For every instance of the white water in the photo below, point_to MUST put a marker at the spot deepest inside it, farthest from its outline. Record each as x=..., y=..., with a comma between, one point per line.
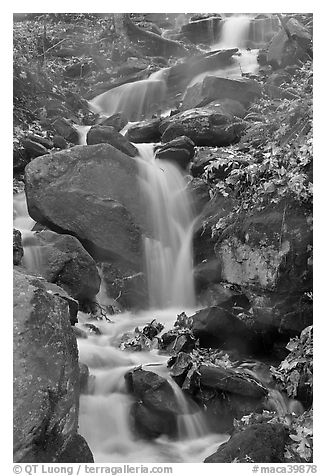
x=33, y=256
x=104, y=415
x=136, y=100
x=169, y=252
x=235, y=31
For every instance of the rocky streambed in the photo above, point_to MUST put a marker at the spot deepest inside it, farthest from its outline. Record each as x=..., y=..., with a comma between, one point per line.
x=229, y=380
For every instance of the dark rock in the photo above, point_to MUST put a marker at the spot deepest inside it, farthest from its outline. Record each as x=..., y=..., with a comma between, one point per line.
x=126, y=285
x=207, y=272
x=46, y=373
x=282, y=51
x=64, y=128
x=118, y=121
x=76, y=451
x=79, y=333
x=91, y=192
x=18, y=251
x=47, y=143
x=93, y=329
x=150, y=424
x=156, y=392
x=64, y=261
x=180, y=151
x=230, y=381
x=217, y=326
x=211, y=126
x=108, y=135
x=132, y=65
x=259, y=443
x=213, y=88
x=202, y=30
x=83, y=377
x=59, y=142
x=145, y=131
x=34, y=149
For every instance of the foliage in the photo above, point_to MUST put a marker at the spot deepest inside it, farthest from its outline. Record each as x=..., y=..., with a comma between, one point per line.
x=142, y=339
x=273, y=161
x=299, y=445
x=297, y=368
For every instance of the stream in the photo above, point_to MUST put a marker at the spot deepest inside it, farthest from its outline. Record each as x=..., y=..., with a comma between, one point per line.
x=104, y=418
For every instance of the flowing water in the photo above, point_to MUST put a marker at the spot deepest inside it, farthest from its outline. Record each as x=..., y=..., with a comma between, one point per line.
x=105, y=410
x=169, y=252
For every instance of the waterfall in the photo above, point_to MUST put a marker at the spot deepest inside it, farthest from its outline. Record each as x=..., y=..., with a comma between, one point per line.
x=104, y=416
x=168, y=252
x=235, y=31
x=136, y=100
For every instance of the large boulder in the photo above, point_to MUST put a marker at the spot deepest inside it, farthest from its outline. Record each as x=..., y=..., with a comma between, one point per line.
x=46, y=374
x=117, y=120
x=212, y=126
x=259, y=443
x=220, y=326
x=156, y=408
x=144, y=131
x=289, y=47
x=156, y=392
x=64, y=261
x=213, y=87
x=91, y=192
x=230, y=381
x=108, y=135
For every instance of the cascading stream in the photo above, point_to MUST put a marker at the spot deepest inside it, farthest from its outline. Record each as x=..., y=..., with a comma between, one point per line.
x=169, y=252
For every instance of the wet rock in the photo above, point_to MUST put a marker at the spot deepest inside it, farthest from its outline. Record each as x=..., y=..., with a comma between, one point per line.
x=64, y=261
x=77, y=451
x=108, y=135
x=46, y=373
x=269, y=251
x=282, y=51
x=149, y=424
x=202, y=30
x=83, y=378
x=154, y=391
x=259, y=443
x=213, y=88
x=230, y=381
x=118, y=121
x=217, y=326
x=18, y=251
x=179, y=75
x=91, y=192
x=93, y=329
x=212, y=126
x=64, y=128
x=207, y=272
x=79, y=333
x=127, y=286
x=34, y=149
x=180, y=151
x=145, y=131
x=198, y=190
x=132, y=65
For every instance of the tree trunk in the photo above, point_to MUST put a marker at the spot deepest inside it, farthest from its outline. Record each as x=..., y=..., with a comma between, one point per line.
x=151, y=42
